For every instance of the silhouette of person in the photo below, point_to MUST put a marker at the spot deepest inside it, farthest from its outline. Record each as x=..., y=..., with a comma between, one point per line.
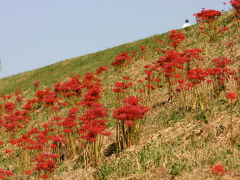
x=186, y=24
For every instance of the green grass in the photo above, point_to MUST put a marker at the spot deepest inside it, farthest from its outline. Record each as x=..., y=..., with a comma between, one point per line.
x=51, y=74
x=179, y=144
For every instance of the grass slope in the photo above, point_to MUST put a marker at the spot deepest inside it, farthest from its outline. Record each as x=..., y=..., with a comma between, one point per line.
x=77, y=65
x=174, y=143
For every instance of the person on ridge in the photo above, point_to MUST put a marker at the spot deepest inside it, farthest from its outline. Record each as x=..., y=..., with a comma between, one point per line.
x=186, y=24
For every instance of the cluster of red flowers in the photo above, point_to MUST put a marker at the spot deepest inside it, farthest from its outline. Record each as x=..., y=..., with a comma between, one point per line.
x=222, y=63
x=93, y=123
x=175, y=38
x=5, y=174
x=218, y=170
x=48, y=97
x=236, y=5
x=122, y=59
x=170, y=62
x=121, y=87
x=70, y=88
x=131, y=111
x=46, y=162
x=101, y=69
x=207, y=15
x=231, y=96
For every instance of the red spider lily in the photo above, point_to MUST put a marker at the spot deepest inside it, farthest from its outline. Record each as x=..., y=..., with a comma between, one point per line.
x=28, y=172
x=36, y=84
x=47, y=97
x=224, y=29
x=207, y=15
x=44, y=176
x=29, y=105
x=1, y=143
x=133, y=53
x=121, y=86
x=159, y=40
x=92, y=96
x=121, y=59
x=5, y=174
x=15, y=120
x=46, y=162
x=126, y=77
x=221, y=63
x=70, y=121
x=101, y=69
x=170, y=62
x=196, y=75
x=131, y=111
x=218, y=169
x=9, y=107
x=93, y=124
x=143, y=48
x=7, y=151
x=176, y=38
x=236, y=5
x=190, y=54
x=231, y=96
x=230, y=44
x=72, y=87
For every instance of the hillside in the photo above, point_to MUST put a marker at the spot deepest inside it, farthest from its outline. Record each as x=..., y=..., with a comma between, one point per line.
x=165, y=107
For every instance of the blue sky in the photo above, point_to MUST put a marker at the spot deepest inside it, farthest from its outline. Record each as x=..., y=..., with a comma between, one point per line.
x=36, y=33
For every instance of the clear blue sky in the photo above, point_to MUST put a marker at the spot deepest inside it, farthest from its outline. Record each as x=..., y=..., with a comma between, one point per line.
x=36, y=33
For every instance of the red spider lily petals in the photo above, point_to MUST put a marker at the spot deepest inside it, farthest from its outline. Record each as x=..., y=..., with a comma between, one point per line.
x=36, y=84
x=131, y=111
x=126, y=77
x=70, y=88
x=46, y=162
x=9, y=106
x=102, y=69
x=176, y=38
x=8, y=151
x=133, y=53
x=221, y=63
x=28, y=172
x=196, y=75
x=235, y=4
x=207, y=15
x=1, y=143
x=143, y=48
x=231, y=96
x=5, y=174
x=224, y=29
x=44, y=176
x=157, y=80
x=121, y=59
x=141, y=90
x=159, y=40
x=180, y=81
x=218, y=169
x=53, y=146
x=209, y=81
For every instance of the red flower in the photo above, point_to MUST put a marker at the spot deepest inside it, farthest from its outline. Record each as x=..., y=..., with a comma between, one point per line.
x=7, y=151
x=121, y=59
x=207, y=15
x=218, y=169
x=231, y=96
x=28, y=172
x=235, y=4
x=176, y=38
x=44, y=176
